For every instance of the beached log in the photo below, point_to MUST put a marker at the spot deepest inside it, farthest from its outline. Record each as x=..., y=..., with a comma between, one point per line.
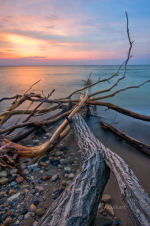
x=133, y=194
x=11, y=152
x=78, y=204
x=130, y=140
x=121, y=110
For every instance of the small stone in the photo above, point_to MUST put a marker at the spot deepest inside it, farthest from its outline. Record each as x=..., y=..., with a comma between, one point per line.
x=9, y=212
x=8, y=221
x=46, y=177
x=3, y=180
x=13, y=183
x=25, y=171
x=32, y=166
x=42, y=164
x=17, y=222
x=109, y=209
x=39, y=188
x=55, y=177
x=67, y=170
x=13, y=171
x=27, y=215
x=35, y=141
x=106, y=198
x=19, y=180
x=2, y=194
x=36, y=202
x=100, y=208
x=25, y=190
x=33, y=208
x=58, y=153
x=36, y=169
x=104, y=213
x=117, y=222
x=5, y=204
x=35, y=223
x=24, y=211
x=15, y=196
x=71, y=176
x=40, y=212
x=3, y=173
x=55, y=162
x=12, y=192
x=64, y=183
x=107, y=223
x=100, y=211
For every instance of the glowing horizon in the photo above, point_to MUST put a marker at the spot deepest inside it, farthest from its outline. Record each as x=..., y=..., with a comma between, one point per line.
x=49, y=32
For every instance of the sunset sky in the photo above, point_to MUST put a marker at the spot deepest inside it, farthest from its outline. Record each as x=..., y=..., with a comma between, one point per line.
x=48, y=32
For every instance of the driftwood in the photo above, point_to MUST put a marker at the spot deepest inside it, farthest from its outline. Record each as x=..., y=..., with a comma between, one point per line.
x=79, y=202
x=130, y=140
x=11, y=152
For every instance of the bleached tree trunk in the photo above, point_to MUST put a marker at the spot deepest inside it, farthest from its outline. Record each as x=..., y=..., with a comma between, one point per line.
x=78, y=204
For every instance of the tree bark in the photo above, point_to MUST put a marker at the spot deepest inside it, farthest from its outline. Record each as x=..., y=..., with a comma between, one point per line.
x=78, y=204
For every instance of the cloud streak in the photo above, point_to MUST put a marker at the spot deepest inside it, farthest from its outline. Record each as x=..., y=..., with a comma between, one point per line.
x=51, y=31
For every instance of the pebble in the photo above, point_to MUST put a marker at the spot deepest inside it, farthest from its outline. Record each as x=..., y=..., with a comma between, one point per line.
x=3, y=173
x=5, y=204
x=36, y=202
x=27, y=215
x=55, y=177
x=33, y=208
x=8, y=221
x=106, y=198
x=13, y=171
x=13, y=183
x=2, y=194
x=3, y=180
x=17, y=222
x=36, y=169
x=24, y=211
x=25, y=171
x=12, y=192
x=35, y=141
x=71, y=176
x=107, y=223
x=15, y=196
x=46, y=177
x=32, y=166
x=35, y=223
x=63, y=161
x=58, y=153
x=9, y=212
x=109, y=209
x=19, y=180
x=40, y=212
x=55, y=162
x=42, y=164
x=64, y=183
x=39, y=188
x=67, y=170
x=117, y=222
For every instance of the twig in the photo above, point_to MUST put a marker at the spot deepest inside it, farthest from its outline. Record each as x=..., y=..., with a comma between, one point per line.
x=36, y=108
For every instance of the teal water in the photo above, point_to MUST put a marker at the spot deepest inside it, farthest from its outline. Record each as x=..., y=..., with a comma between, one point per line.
x=65, y=79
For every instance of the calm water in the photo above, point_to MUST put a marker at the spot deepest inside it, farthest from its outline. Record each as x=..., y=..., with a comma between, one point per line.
x=66, y=79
